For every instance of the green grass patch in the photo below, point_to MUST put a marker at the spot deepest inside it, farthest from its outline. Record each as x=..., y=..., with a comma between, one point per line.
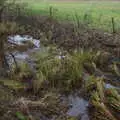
x=94, y=13
x=12, y=84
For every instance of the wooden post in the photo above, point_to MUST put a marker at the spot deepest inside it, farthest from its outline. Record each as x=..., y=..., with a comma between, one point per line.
x=51, y=11
x=113, y=25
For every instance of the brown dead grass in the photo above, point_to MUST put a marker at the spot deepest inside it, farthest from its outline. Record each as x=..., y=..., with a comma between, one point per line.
x=69, y=37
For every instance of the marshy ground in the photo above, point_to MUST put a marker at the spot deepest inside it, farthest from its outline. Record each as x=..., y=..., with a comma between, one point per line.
x=55, y=70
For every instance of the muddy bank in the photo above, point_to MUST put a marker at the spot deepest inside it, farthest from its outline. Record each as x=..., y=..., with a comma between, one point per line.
x=68, y=36
x=50, y=106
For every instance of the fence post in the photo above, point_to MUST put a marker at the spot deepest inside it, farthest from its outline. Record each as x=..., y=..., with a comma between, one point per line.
x=113, y=25
x=51, y=11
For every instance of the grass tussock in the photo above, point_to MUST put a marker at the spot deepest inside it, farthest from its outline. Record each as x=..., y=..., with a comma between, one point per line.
x=61, y=70
x=104, y=103
x=95, y=85
x=113, y=101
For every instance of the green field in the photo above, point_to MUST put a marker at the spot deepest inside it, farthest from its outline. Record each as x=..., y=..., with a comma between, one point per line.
x=94, y=13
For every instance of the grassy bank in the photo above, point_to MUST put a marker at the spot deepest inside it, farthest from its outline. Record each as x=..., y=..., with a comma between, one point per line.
x=93, y=13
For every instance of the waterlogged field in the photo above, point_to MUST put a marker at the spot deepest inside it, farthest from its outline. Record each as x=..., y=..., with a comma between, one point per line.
x=94, y=13
x=52, y=70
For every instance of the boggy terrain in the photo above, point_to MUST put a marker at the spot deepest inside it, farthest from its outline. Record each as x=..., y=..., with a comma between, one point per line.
x=58, y=71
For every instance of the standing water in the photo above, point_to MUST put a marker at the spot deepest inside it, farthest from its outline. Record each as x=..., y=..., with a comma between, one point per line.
x=78, y=107
x=23, y=55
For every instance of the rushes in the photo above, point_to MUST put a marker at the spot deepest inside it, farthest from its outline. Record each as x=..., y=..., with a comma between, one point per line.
x=113, y=101
x=104, y=102
x=95, y=85
x=47, y=66
x=59, y=71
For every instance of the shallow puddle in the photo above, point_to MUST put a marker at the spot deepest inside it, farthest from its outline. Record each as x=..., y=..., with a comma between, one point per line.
x=25, y=56
x=20, y=40
x=78, y=107
x=108, y=85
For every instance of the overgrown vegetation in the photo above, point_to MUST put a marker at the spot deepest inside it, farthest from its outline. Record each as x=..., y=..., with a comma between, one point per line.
x=72, y=59
x=65, y=70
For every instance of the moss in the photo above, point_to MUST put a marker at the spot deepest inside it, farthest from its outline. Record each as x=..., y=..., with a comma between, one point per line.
x=12, y=84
